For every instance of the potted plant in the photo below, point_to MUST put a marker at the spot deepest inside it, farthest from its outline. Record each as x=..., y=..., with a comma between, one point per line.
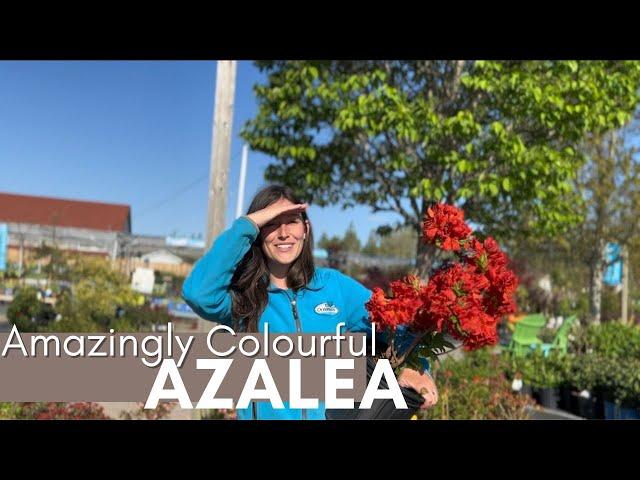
x=583, y=380
x=462, y=302
x=621, y=382
x=547, y=380
x=609, y=354
x=476, y=387
x=544, y=374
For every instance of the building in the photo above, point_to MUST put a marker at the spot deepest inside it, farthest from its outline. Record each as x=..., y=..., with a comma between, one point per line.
x=162, y=256
x=87, y=227
x=71, y=225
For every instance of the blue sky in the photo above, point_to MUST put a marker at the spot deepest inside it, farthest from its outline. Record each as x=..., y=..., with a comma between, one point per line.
x=137, y=133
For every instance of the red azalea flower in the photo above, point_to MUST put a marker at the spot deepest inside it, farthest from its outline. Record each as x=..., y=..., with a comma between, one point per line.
x=499, y=296
x=496, y=256
x=463, y=299
x=391, y=312
x=444, y=226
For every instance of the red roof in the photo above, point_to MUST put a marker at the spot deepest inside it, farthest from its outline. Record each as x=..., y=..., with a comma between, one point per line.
x=64, y=213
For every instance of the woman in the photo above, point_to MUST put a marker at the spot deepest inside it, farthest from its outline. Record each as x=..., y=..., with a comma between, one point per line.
x=261, y=270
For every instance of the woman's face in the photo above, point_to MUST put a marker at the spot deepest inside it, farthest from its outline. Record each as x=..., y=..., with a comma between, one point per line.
x=284, y=236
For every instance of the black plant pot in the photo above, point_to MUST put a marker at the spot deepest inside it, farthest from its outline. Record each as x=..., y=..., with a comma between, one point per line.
x=598, y=405
x=586, y=408
x=565, y=399
x=591, y=408
x=381, y=409
x=535, y=394
x=549, y=397
x=583, y=407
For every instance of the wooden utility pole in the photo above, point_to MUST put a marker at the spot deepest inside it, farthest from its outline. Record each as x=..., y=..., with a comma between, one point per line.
x=220, y=154
x=220, y=148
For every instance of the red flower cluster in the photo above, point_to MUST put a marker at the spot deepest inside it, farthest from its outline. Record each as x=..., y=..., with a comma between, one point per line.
x=401, y=308
x=464, y=299
x=454, y=303
x=490, y=261
x=444, y=226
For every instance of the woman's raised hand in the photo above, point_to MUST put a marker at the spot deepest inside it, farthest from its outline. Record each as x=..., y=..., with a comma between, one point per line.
x=264, y=216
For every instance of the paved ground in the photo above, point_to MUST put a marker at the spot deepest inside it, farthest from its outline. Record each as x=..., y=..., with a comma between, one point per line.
x=541, y=413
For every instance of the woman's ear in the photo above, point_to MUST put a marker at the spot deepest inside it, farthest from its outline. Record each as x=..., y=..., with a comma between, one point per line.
x=306, y=229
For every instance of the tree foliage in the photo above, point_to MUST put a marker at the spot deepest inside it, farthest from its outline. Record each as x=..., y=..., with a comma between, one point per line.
x=498, y=139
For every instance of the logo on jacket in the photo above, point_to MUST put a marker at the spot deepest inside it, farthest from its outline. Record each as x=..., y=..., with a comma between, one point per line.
x=326, y=309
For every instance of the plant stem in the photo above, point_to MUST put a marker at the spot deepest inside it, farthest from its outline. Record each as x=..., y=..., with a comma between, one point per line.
x=409, y=351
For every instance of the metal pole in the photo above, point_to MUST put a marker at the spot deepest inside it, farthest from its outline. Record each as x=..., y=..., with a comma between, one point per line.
x=243, y=174
x=625, y=284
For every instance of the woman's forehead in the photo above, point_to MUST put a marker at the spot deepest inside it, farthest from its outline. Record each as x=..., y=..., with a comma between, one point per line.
x=285, y=217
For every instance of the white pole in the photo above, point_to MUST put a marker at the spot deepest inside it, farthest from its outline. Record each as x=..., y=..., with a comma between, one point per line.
x=243, y=174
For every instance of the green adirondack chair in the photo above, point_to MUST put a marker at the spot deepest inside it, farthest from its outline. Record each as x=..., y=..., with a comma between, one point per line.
x=525, y=336
x=560, y=341
x=535, y=319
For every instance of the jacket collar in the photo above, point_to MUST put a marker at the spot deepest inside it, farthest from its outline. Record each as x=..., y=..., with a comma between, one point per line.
x=316, y=283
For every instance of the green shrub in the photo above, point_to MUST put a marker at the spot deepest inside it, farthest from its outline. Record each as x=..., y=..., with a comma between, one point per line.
x=610, y=339
x=539, y=371
x=141, y=319
x=617, y=378
x=8, y=410
x=476, y=387
x=620, y=380
x=28, y=313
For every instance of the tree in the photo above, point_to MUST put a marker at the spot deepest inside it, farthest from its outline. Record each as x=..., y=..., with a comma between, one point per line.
x=350, y=241
x=609, y=185
x=335, y=250
x=372, y=245
x=56, y=267
x=98, y=291
x=24, y=310
x=497, y=139
x=534, y=258
x=330, y=244
x=609, y=188
x=400, y=243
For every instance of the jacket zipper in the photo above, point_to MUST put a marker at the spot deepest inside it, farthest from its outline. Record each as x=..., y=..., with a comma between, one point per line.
x=294, y=309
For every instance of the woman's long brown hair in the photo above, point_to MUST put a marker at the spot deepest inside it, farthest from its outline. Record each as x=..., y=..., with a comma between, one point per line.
x=251, y=278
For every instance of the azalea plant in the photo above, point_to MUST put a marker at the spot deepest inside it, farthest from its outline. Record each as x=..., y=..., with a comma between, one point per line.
x=463, y=299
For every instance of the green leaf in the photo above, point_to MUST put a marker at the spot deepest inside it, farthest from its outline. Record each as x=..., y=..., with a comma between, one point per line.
x=463, y=166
